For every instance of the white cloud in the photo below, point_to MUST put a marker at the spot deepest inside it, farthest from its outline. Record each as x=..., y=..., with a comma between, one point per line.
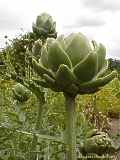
x=102, y=5
x=83, y=20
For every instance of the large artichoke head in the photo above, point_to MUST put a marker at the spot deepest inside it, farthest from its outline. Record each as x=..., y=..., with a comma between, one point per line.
x=72, y=65
x=45, y=26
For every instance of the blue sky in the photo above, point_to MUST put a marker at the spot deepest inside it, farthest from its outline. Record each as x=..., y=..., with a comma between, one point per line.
x=98, y=20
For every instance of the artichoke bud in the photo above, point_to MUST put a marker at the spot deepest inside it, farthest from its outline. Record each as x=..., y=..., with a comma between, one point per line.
x=69, y=64
x=99, y=144
x=45, y=26
x=21, y=93
x=36, y=50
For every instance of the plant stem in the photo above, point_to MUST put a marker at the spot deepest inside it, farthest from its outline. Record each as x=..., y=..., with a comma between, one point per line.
x=70, y=134
x=38, y=128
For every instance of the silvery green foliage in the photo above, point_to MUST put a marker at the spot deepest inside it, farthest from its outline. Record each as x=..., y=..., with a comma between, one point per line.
x=44, y=26
x=73, y=66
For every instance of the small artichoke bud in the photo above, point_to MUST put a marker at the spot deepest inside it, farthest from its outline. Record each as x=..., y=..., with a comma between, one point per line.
x=99, y=143
x=21, y=93
x=36, y=50
x=44, y=26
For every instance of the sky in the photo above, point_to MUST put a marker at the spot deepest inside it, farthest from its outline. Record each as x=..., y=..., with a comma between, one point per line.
x=97, y=19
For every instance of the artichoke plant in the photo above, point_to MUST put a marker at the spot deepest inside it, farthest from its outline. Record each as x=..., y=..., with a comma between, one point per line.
x=73, y=66
x=44, y=26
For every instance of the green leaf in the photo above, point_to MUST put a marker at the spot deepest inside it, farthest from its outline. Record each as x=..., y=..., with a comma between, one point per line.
x=40, y=82
x=48, y=79
x=38, y=68
x=99, y=82
x=86, y=69
x=78, y=47
x=44, y=57
x=61, y=41
x=50, y=82
x=101, y=52
x=57, y=56
x=64, y=76
x=103, y=70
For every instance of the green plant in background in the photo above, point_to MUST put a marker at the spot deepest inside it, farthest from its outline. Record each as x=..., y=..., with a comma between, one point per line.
x=72, y=66
x=16, y=55
x=30, y=45
x=116, y=88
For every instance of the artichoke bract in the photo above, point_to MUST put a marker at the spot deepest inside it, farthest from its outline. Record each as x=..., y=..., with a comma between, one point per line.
x=44, y=26
x=72, y=65
x=21, y=93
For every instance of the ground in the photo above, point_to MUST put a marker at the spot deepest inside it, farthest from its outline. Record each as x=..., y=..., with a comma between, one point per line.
x=115, y=130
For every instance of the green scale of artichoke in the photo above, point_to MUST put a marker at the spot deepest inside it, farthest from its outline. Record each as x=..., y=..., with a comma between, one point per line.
x=72, y=65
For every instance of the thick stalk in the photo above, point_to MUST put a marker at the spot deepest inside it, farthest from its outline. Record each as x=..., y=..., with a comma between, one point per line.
x=38, y=125
x=38, y=128
x=70, y=134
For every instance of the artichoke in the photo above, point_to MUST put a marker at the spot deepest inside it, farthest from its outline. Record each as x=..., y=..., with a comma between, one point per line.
x=21, y=93
x=44, y=26
x=72, y=65
x=99, y=143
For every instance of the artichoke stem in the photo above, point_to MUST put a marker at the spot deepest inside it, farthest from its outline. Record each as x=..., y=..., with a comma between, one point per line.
x=38, y=128
x=70, y=134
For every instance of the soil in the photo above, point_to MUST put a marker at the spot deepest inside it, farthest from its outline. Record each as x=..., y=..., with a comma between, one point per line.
x=115, y=130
